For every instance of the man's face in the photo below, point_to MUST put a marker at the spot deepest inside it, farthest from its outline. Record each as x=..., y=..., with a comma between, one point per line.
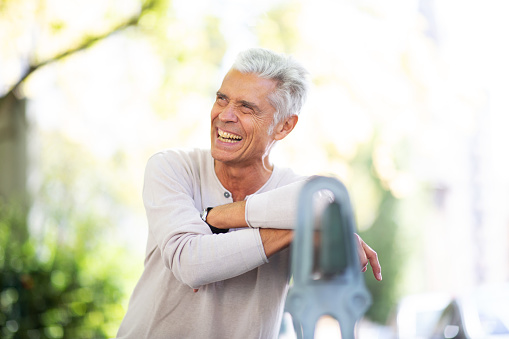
x=240, y=119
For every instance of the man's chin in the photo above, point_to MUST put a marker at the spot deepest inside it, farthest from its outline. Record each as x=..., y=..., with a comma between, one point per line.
x=222, y=155
x=227, y=151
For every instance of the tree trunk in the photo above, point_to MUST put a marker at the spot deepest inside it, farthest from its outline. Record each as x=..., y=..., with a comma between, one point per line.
x=13, y=151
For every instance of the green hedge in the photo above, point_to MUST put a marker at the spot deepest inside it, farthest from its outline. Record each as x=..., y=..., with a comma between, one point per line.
x=54, y=290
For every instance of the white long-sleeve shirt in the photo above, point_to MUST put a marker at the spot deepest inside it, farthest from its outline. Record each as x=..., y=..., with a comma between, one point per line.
x=241, y=293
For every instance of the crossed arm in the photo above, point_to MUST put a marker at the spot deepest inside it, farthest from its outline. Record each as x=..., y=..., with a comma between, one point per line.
x=274, y=240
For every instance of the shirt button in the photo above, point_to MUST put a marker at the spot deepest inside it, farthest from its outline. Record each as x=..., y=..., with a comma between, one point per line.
x=226, y=194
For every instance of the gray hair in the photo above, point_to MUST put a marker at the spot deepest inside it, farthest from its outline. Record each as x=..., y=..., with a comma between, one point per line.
x=291, y=79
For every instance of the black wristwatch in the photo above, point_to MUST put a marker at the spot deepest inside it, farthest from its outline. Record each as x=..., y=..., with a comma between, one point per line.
x=214, y=230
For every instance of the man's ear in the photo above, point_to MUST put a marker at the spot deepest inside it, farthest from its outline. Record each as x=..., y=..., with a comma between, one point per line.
x=284, y=128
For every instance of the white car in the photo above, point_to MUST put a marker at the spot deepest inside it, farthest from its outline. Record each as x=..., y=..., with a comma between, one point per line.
x=483, y=314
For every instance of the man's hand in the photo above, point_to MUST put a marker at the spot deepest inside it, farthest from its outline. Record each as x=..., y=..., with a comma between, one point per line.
x=368, y=256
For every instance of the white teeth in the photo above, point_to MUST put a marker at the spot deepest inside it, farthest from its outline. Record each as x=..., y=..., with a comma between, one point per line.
x=228, y=137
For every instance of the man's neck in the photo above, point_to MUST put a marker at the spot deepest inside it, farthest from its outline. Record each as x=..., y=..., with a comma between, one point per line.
x=243, y=180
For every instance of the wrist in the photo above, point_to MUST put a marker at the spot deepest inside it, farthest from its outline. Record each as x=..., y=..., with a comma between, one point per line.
x=231, y=215
x=204, y=215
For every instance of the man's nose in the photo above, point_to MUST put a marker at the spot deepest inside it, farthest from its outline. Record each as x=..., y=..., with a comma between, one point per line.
x=228, y=114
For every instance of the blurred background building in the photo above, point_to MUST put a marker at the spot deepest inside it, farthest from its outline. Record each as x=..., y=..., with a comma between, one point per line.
x=408, y=108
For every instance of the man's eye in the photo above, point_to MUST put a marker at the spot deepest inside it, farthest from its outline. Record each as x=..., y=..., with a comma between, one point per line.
x=247, y=109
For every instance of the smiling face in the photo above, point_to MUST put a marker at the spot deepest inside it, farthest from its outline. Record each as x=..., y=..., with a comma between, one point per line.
x=240, y=119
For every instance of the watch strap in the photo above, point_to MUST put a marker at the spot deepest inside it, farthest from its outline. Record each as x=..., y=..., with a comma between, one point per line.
x=214, y=230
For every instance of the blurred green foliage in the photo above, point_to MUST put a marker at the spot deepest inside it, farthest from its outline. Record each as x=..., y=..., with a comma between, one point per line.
x=383, y=236
x=68, y=278
x=383, y=233
x=50, y=289
x=277, y=28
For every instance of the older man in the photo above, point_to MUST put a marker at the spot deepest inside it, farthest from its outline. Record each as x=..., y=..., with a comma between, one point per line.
x=216, y=216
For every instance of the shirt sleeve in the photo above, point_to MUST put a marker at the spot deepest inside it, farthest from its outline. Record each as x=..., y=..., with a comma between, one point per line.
x=189, y=249
x=278, y=208
x=274, y=209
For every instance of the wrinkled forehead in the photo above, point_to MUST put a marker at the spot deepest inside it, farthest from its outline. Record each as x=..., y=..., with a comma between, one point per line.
x=247, y=86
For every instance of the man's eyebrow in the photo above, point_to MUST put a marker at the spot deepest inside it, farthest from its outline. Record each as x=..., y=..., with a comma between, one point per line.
x=219, y=94
x=241, y=102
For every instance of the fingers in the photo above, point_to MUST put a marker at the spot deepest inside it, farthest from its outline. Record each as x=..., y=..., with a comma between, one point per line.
x=362, y=253
x=373, y=261
x=364, y=268
x=368, y=256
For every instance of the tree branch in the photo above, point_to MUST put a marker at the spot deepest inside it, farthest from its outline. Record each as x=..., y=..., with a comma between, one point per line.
x=86, y=43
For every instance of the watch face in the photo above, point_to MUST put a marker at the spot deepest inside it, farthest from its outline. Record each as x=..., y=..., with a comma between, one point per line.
x=203, y=214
